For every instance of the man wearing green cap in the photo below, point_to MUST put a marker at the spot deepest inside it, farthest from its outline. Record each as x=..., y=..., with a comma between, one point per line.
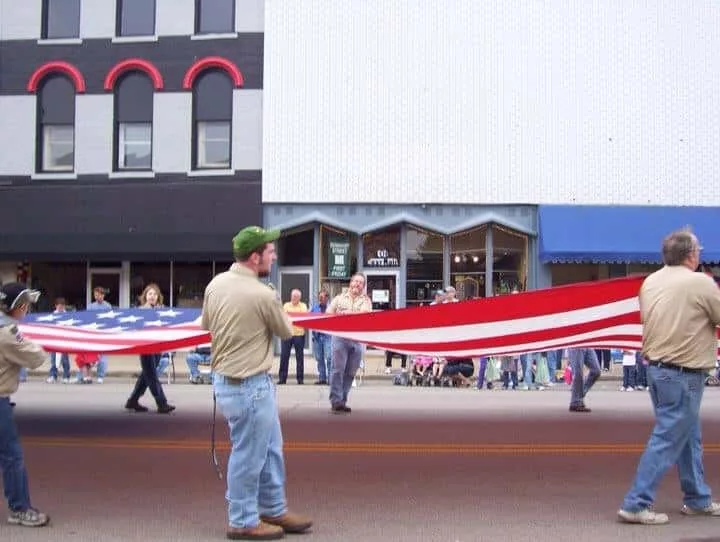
x=242, y=314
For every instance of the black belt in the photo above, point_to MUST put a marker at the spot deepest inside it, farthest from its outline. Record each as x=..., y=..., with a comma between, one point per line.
x=679, y=368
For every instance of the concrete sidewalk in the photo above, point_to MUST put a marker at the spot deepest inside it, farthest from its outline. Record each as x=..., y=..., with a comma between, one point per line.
x=129, y=366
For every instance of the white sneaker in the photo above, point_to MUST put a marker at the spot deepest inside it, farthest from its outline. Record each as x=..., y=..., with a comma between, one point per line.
x=66, y=381
x=388, y=370
x=29, y=518
x=100, y=380
x=712, y=510
x=51, y=380
x=643, y=517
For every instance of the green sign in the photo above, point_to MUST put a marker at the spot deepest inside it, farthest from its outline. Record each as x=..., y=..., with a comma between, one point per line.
x=338, y=258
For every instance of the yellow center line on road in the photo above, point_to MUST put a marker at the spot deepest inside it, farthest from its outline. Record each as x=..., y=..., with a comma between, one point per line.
x=377, y=448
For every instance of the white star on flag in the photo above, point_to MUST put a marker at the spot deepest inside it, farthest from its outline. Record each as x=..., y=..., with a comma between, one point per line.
x=48, y=318
x=68, y=322
x=129, y=319
x=171, y=313
x=157, y=323
x=111, y=314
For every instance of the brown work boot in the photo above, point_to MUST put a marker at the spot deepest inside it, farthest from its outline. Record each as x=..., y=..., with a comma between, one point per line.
x=262, y=531
x=290, y=523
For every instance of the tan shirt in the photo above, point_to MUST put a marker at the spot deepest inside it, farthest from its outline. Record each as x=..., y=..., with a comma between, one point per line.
x=300, y=307
x=242, y=315
x=16, y=352
x=345, y=303
x=680, y=310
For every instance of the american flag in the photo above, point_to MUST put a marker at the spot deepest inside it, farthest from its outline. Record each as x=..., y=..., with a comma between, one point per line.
x=603, y=314
x=116, y=331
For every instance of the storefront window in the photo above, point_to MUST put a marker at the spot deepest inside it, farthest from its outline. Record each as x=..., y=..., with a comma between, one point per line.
x=382, y=248
x=296, y=249
x=59, y=279
x=189, y=282
x=467, y=262
x=510, y=255
x=338, y=259
x=424, y=265
x=142, y=274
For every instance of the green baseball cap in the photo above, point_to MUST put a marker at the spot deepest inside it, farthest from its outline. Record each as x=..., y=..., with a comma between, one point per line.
x=249, y=239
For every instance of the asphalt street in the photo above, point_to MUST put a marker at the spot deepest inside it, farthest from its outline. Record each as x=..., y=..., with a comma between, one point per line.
x=409, y=464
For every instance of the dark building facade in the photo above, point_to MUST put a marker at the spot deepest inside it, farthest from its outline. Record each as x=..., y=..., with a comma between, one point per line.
x=131, y=142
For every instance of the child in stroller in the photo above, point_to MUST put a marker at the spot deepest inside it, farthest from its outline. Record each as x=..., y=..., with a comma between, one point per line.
x=422, y=367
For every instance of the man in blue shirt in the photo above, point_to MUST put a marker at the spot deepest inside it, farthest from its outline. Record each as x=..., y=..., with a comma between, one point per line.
x=321, y=343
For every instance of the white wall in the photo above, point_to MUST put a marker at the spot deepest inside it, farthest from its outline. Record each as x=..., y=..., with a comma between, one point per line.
x=17, y=135
x=469, y=101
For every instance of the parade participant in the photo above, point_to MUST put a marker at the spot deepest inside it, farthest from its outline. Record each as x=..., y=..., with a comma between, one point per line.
x=151, y=298
x=242, y=315
x=346, y=354
x=577, y=359
x=16, y=353
x=680, y=312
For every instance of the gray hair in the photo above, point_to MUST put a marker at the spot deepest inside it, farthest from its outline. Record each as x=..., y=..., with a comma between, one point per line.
x=679, y=246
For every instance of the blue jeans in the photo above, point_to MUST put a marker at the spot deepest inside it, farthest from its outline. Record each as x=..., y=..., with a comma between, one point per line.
x=580, y=357
x=15, y=479
x=676, y=439
x=64, y=361
x=256, y=467
x=346, y=359
x=552, y=361
x=322, y=354
x=628, y=376
x=194, y=360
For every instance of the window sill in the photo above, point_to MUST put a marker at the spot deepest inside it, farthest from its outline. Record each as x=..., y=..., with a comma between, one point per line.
x=140, y=174
x=218, y=36
x=60, y=41
x=211, y=173
x=53, y=176
x=134, y=39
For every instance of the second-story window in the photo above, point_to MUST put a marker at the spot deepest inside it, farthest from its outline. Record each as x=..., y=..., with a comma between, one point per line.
x=135, y=18
x=61, y=19
x=133, y=122
x=212, y=119
x=56, y=125
x=214, y=16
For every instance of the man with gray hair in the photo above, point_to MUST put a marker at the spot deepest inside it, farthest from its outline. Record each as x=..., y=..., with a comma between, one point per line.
x=680, y=311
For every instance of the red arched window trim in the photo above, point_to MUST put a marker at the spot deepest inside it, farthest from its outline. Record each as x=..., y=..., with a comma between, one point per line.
x=212, y=62
x=134, y=64
x=61, y=67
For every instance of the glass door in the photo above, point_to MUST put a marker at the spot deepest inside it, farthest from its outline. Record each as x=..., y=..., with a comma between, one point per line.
x=382, y=289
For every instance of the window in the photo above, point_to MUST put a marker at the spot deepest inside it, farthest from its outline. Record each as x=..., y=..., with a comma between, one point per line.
x=510, y=256
x=214, y=145
x=133, y=122
x=212, y=115
x=214, y=16
x=424, y=253
x=467, y=262
x=61, y=19
x=56, y=125
x=135, y=18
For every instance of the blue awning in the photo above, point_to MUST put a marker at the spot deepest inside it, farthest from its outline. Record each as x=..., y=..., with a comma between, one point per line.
x=621, y=234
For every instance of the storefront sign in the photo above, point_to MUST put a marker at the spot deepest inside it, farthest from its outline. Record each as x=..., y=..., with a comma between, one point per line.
x=338, y=258
x=383, y=258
